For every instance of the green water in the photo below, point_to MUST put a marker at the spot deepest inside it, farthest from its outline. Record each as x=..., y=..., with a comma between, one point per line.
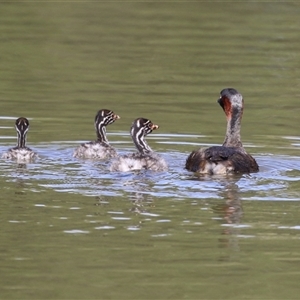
x=70, y=229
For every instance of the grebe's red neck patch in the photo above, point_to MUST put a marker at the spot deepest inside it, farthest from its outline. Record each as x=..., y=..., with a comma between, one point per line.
x=226, y=105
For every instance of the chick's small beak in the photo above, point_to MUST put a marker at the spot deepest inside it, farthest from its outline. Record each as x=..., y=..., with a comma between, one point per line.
x=154, y=127
x=116, y=117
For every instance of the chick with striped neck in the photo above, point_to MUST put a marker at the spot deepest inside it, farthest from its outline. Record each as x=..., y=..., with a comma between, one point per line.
x=145, y=158
x=21, y=153
x=99, y=149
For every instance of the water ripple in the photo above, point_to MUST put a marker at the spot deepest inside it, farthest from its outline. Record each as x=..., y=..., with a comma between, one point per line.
x=58, y=170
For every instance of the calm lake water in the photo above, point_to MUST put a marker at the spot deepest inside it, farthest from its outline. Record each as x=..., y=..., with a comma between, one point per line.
x=70, y=229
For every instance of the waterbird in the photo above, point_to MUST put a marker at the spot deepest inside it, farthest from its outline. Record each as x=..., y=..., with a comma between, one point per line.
x=231, y=157
x=99, y=149
x=145, y=158
x=21, y=153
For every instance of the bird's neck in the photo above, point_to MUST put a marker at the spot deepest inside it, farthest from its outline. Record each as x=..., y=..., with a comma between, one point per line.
x=21, y=139
x=233, y=136
x=140, y=142
x=101, y=133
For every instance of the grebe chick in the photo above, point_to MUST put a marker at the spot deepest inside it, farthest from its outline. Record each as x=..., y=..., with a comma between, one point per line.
x=99, y=149
x=21, y=153
x=231, y=157
x=145, y=158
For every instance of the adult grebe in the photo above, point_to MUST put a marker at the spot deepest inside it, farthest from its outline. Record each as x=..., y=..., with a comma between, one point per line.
x=99, y=149
x=231, y=157
x=21, y=153
x=145, y=158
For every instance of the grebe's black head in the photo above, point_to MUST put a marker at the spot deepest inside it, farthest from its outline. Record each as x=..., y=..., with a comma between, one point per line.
x=22, y=125
x=231, y=100
x=143, y=125
x=103, y=118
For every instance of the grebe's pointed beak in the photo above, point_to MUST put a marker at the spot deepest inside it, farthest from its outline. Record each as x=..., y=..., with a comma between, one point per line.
x=221, y=102
x=154, y=127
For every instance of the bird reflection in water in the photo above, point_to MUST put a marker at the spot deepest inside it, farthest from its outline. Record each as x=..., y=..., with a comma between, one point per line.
x=141, y=202
x=230, y=212
x=231, y=209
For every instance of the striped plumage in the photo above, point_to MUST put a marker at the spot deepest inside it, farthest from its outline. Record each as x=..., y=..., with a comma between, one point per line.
x=99, y=149
x=21, y=152
x=145, y=158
